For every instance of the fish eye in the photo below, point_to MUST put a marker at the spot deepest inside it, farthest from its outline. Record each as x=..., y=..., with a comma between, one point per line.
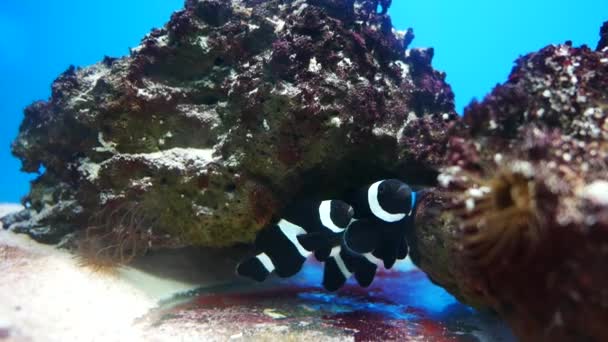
x=381, y=188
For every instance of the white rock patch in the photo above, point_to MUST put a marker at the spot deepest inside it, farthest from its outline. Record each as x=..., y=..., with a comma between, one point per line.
x=88, y=169
x=178, y=158
x=314, y=66
x=597, y=192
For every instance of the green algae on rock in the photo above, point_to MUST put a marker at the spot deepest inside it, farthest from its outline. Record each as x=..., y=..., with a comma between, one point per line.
x=228, y=112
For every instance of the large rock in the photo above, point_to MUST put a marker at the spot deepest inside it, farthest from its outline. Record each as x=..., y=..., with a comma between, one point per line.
x=521, y=222
x=230, y=111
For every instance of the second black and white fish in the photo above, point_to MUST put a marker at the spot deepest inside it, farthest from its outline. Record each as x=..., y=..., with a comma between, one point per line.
x=278, y=247
x=383, y=206
x=384, y=212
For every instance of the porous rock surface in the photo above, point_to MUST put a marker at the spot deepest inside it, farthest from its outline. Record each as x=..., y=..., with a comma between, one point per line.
x=520, y=223
x=227, y=113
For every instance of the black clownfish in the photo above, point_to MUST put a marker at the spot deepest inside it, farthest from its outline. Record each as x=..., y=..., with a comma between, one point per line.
x=383, y=214
x=389, y=204
x=278, y=247
x=389, y=200
x=349, y=240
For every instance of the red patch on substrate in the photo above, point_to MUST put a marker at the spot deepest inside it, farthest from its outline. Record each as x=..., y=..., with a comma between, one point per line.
x=232, y=299
x=436, y=332
x=371, y=326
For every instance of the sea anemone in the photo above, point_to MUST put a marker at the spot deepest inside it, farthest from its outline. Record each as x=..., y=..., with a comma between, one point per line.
x=498, y=214
x=117, y=234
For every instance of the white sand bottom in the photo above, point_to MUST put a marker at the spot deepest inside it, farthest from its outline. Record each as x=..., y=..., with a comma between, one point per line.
x=46, y=295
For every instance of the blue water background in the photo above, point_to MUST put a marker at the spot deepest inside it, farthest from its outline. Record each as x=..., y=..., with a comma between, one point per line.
x=475, y=41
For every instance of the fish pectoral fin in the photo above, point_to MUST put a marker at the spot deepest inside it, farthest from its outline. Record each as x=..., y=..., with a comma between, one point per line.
x=365, y=273
x=403, y=249
x=364, y=269
x=333, y=277
x=391, y=246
